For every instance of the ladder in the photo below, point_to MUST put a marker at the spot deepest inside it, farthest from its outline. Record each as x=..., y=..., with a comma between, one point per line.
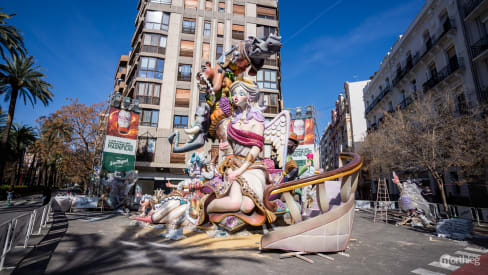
x=382, y=202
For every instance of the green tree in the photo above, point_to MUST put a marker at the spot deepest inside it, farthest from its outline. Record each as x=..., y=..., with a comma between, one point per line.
x=10, y=38
x=21, y=137
x=21, y=77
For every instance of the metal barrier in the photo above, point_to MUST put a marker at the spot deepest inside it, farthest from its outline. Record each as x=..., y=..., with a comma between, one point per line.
x=19, y=230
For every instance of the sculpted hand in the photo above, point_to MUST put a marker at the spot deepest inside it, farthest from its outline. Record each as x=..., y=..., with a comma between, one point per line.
x=231, y=177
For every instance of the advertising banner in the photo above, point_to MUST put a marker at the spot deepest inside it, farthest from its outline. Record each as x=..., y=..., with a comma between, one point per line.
x=118, y=162
x=121, y=141
x=122, y=123
x=304, y=130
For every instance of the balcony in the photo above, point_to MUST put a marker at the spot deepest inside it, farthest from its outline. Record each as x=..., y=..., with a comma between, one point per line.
x=470, y=6
x=448, y=25
x=188, y=30
x=184, y=76
x=406, y=101
x=382, y=94
x=479, y=47
x=153, y=49
x=454, y=64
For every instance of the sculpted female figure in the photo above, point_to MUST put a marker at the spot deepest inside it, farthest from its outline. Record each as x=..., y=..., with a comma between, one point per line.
x=245, y=176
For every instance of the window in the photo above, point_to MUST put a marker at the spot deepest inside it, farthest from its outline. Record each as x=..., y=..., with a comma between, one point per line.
x=186, y=48
x=162, y=1
x=267, y=79
x=222, y=7
x=191, y=4
x=151, y=68
x=238, y=32
x=461, y=104
x=451, y=54
x=266, y=12
x=182, y=98
x=264, y=31
x=149, y=118
x=238, y=9
x=184, y=72
x=409, y=60
x=432, y=70
x=427, y=40
x=206, y=51
x=180, y=121
x=414, y=85
x=220, y=29
x=148, y=93
x=188, y=25
x=208, y=5
x=157, y=20
x=220, y=50
x=146, y=147
x=207, y=26
x=154, y=43
x=270, y=101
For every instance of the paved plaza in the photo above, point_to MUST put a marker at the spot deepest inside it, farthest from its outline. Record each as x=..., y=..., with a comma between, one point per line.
x=109, y=243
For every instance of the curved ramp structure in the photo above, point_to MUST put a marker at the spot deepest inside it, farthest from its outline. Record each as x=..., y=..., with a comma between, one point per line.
x=330, y=230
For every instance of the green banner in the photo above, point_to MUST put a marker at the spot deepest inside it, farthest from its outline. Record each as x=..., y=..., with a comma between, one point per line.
x=118, y=162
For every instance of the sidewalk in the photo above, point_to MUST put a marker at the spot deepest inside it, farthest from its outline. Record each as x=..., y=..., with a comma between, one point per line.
x=107, y=243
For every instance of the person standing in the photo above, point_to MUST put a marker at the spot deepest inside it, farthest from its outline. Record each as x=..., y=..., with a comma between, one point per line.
x=10, y=195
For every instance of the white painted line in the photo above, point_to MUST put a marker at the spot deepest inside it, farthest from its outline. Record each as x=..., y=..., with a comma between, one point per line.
x=467, y=254
x=422, y=271
x=445, y=266
x=482, y=251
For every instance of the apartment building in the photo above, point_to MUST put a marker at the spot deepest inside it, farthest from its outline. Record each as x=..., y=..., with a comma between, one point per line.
x=474, y=14
x=431, y=57
x=347, y=127
x=443, y=53
x=172, y=40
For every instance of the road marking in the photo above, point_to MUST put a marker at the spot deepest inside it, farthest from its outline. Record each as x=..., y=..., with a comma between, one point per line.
x=444, y=266
x=422, y=271
x=482, y=251
x=467, y=254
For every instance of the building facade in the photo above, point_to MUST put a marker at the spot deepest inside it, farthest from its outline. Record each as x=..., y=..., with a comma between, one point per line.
x=347, y=127
x=443, y=54
x=172, y=40
x=431, y=57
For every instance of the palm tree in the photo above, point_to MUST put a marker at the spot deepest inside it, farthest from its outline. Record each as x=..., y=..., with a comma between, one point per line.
x=22, y=136
x=20, y=77
x=10, y=38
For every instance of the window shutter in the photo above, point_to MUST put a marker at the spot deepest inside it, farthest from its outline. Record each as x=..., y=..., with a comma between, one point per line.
x=182, y=98
x=238, y=9
x=220, y=29
x=206, y=51
x=238, y=28
x=191, y=4
x=186, y=48
x=265, y=11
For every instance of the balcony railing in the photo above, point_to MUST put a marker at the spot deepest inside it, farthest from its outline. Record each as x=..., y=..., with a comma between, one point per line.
x=153, y=49
x=479, y=46
x=470, y=6
x=382, y=94
x=188, y=30
x=454, y=64
x=448, y=25
x=184, y=77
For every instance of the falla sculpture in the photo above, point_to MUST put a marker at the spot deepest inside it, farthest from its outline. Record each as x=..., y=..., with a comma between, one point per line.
x=247, y=184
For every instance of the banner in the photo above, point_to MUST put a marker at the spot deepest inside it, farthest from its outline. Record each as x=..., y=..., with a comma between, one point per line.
x=121, y=141
x=300, y=154
x=118, y=162
x=122, y=123
x=304, y=130
x=118, y=145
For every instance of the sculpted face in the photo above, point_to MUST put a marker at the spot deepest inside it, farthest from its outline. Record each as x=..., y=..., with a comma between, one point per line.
x=239, y=95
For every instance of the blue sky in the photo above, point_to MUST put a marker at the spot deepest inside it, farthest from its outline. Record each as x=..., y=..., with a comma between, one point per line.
x=324, y=44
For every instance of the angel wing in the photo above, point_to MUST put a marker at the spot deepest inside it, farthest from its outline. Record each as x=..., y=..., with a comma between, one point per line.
x=276, y=133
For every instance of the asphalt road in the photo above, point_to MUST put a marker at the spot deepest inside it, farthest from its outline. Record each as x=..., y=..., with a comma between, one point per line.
x=106, y=243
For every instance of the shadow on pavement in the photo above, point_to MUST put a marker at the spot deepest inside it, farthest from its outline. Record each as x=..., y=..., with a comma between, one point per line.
x=135, y=250
x=37, y=260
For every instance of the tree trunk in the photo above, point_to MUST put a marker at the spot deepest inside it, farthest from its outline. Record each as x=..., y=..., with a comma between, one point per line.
x=440, y=183
x=10, y=119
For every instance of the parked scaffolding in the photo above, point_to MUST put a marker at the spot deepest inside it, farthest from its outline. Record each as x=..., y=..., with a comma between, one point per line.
x=17, y=231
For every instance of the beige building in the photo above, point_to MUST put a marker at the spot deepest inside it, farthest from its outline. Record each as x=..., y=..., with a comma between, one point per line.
x=172, y=40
